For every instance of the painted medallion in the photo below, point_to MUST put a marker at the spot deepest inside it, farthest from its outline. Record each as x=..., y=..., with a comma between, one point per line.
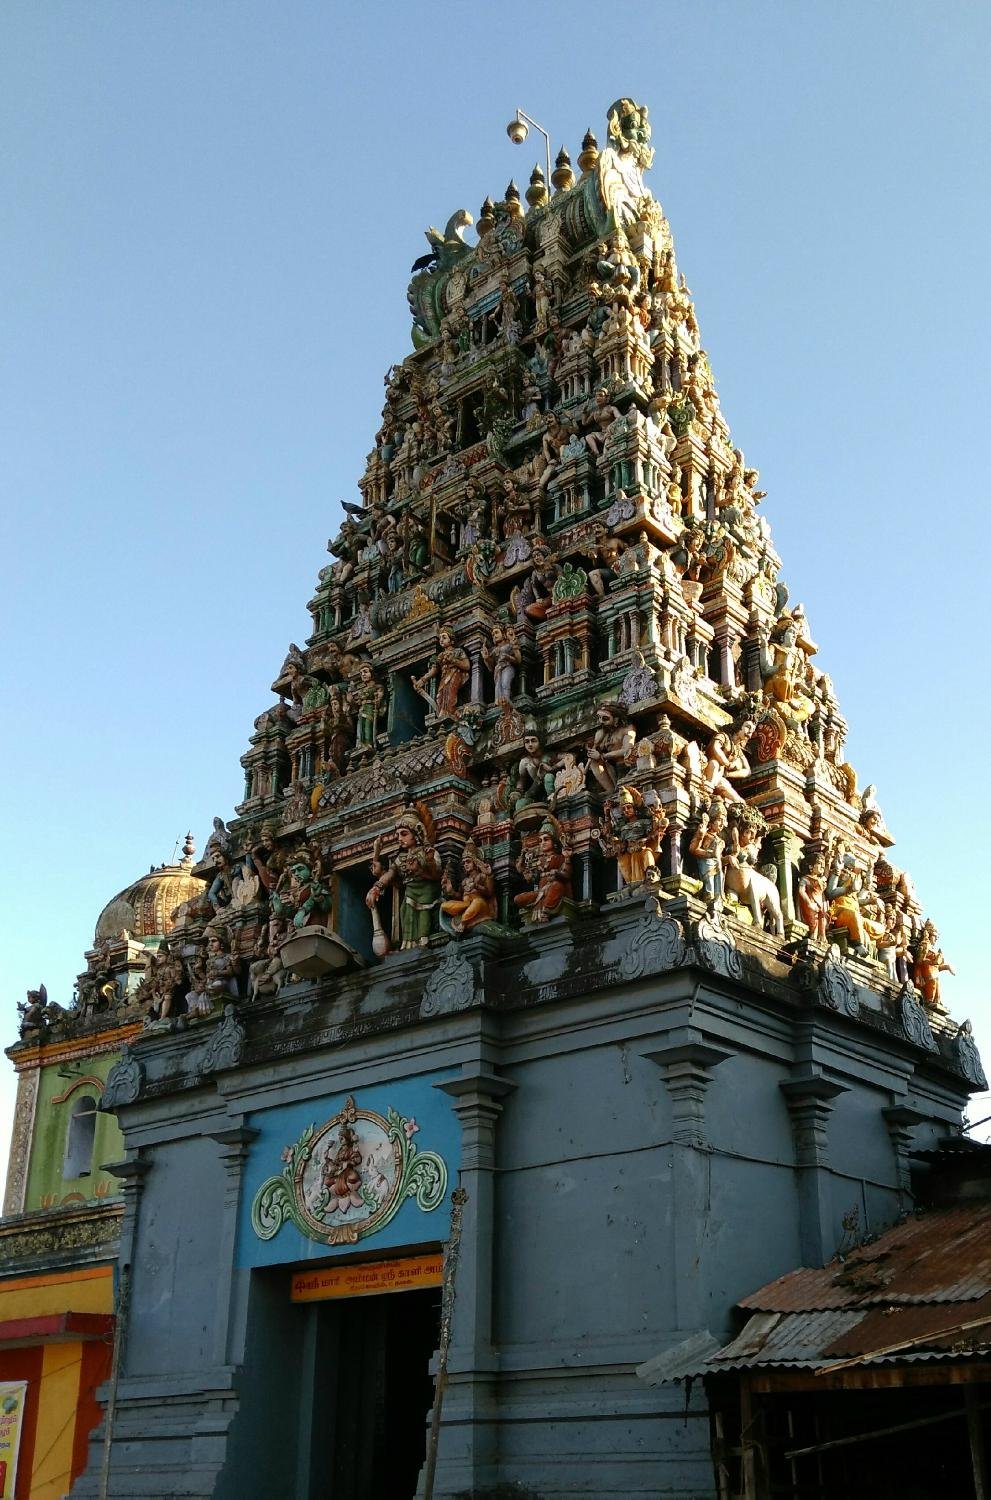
x=348, y=1178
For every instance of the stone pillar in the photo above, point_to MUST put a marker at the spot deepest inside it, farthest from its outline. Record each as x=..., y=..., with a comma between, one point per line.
x=786, y=847
x=472, y=641
x=810, y=1101
x=467, y=1450
x=692, y=458
x=899, y=1119
x=723, y=607
x=675, y=830
x=750, y=658
x=686, y=1062
x=131, y=1174
x=234, y=1145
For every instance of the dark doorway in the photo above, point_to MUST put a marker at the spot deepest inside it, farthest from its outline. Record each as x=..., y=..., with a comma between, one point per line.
x=373, y=1392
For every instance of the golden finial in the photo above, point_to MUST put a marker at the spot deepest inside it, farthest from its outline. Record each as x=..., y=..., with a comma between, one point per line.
x=486, y=218
x=536, y=193
x=562, y=176
x=514, y=207
x=589, y=154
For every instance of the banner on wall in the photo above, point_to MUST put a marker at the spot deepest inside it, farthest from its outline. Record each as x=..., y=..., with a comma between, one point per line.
x=369, y=1279
x=12, y=1397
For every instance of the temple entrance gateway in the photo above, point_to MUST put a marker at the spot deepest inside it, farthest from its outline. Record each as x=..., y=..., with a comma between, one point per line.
x=372, y=1394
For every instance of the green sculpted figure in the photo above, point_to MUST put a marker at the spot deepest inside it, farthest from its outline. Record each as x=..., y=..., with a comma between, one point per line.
x=308, y=900
x=415, y=872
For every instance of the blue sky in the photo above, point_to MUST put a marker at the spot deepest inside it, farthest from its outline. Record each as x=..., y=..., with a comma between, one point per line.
x=210, y=210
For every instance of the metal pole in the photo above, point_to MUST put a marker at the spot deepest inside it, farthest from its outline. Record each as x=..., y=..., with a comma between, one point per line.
x=458, y=1200
x=521, y=114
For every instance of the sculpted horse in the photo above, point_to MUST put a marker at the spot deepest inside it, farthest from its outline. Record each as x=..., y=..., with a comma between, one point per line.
x=755, y=891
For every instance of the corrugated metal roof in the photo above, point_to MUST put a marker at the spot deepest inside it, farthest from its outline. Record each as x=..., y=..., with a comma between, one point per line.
x=934, y=1325
x=783, y=1339
x=959, y=1145
x=690, y=1357
x=943, y=1256
x=920, y=1292
x=817, y=1340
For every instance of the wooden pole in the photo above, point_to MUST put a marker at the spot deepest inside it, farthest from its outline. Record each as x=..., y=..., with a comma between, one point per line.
x=747, y=1447
x=458, y=1200
x=863, y=1437
x=975, y=1431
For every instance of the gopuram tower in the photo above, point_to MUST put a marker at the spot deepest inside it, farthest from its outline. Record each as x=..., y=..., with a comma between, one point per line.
x=555, y=983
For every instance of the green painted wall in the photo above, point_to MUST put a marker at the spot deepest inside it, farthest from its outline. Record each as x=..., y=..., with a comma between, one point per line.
x=47, y=1186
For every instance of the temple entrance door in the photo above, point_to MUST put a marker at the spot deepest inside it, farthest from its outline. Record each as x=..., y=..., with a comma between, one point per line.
x=372, y=1395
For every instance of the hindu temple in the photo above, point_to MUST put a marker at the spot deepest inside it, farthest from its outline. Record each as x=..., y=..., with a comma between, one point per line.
x=555, y=982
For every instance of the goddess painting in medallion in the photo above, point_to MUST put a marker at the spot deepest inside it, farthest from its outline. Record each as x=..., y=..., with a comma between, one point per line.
x=349, y=1178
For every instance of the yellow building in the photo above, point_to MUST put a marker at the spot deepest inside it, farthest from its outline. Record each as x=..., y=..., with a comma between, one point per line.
x=62, y=1206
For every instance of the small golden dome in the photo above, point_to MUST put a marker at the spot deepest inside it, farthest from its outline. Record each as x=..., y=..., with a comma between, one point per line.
x=146, y=908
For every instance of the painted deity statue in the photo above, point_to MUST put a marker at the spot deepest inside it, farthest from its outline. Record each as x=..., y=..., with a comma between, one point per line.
x=266, y=974
x=542, y=299
x=599, y=417
x=555, y=440
x=471, y=900
x=784, y=664
x=892, y=945
x=726, y=761
x=605, y=551
x=929, y=964
x=533, y=780
x=503, y=657
x=628, y=154
x=631, y=833
x=812, y=904
x=846, y=893
x=707, y=846
x=534, y=597
x=741, y=878
x=450, y=670
x=162, y=987
x=340, y=1175
x=367, y=699
x=617, y=270
x=548, y=868
x=613, y=745
x=519, y=515
x=415, y=873
x=214, y=980
x=338, y=728
x=308, y=900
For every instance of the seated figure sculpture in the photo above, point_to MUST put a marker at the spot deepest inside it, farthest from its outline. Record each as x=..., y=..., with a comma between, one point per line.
x=548, y=868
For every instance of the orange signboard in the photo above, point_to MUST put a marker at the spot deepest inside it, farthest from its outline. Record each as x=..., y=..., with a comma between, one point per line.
x=408, y=1274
